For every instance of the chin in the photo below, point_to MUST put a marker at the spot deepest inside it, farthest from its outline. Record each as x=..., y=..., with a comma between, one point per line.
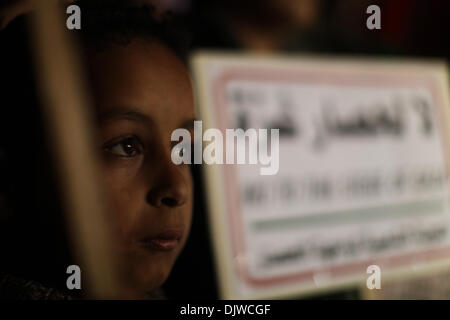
x=152, y=273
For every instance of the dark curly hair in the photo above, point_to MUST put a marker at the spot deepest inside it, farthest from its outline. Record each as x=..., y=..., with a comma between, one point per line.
x=119, y=22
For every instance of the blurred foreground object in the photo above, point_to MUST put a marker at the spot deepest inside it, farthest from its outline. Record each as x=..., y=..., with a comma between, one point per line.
x=12, y=9
x=64, y=98
x=363, y=172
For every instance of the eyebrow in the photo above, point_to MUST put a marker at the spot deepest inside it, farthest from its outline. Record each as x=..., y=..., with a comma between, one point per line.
x=188, y=124
x=129, y=113
x=124, y=113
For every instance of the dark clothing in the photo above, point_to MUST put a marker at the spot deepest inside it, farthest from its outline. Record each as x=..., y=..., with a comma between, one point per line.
x=13, y=288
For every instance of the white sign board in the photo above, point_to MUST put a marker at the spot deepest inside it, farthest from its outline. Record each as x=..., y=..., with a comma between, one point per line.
x=362, y=180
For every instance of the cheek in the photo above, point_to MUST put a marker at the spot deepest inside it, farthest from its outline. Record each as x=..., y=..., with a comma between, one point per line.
x=123, y=194
x=188, y=213
x=121, y=170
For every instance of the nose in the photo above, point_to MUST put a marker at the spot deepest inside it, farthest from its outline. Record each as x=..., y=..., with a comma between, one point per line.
x=171, y=189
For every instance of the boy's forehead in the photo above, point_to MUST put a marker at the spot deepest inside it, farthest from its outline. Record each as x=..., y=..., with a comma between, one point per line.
x=141, y=78
x=139, y=116
x=139, y=56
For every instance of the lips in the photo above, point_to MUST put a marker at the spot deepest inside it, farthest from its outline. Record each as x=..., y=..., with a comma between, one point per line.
x=165, y=241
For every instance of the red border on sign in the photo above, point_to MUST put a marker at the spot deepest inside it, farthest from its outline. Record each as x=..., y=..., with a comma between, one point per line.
x=310, y=77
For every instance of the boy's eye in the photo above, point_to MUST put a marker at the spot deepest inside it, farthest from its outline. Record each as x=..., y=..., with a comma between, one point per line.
x=128, y=147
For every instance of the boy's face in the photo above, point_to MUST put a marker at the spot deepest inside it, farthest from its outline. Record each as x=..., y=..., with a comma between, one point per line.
x=142, y=92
